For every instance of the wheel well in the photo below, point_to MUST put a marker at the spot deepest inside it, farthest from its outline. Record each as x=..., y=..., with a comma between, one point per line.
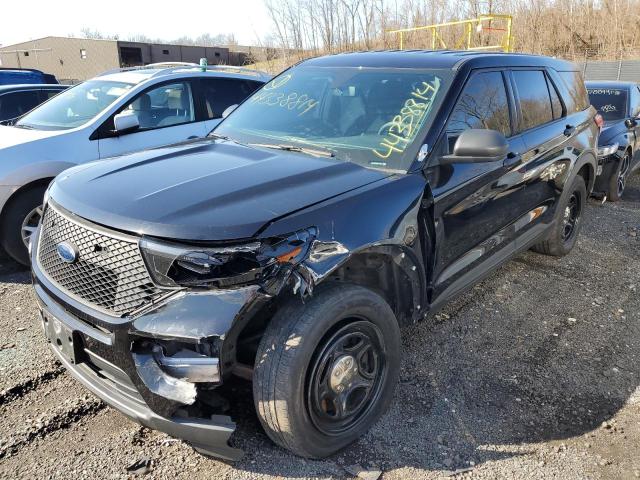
x=42, y=182
x=586, y=172
x=380, y=273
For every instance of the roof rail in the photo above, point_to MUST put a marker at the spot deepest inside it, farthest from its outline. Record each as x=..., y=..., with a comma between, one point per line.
x=168, y=67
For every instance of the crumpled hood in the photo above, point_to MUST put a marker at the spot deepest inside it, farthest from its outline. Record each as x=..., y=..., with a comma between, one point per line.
x=203, y=190
x=12, y=136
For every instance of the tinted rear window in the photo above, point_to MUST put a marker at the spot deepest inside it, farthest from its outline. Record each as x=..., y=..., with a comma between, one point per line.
x=578, y=99
x=535, y=102
x=611, y=103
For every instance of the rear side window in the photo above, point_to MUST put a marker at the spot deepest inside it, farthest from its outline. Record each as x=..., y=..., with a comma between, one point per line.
x=578, y=99
x=220, y=93
x=535, y=102
x=482, y=104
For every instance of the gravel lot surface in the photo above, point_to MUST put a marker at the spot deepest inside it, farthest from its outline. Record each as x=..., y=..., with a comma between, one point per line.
x=533, y=374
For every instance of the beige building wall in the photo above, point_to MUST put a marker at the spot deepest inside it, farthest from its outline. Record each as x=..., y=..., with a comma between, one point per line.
x=69, y=59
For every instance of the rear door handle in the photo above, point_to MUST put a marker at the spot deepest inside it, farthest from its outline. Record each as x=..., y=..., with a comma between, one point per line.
x=512, y=159
x=192, y=137
x=569, y=130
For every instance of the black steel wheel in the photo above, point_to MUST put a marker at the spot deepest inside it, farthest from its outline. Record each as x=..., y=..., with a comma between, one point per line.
x=571, y=218
x=346, y=376
x=326, y=369
x=567, y=221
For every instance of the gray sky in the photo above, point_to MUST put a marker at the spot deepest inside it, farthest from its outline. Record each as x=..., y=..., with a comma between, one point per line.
x=167, y=19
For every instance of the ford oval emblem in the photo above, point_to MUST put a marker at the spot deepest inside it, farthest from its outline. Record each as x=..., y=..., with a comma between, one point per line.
x=67, y=252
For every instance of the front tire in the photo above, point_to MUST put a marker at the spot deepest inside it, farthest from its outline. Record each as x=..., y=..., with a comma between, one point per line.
x=617, y=182
x=567, y=221
x=23, y=213
x=326, y=370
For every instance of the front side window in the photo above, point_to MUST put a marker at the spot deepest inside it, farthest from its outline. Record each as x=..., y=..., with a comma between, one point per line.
x=482, y=104
x=535, y=102
x=611, y=103
x=164, y=106
x=369, y=116
x=220, y=93
x=75, y=106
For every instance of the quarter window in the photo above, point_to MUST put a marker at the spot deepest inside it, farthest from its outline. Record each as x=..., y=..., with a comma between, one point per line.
x=556, y=104
x=482, y=104
x=164, y=106
x=578, y=99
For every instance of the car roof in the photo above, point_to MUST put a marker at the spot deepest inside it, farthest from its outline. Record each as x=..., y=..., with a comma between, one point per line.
x=438, y=59
x=32, y=86
x=138, y=75
x=610, y=83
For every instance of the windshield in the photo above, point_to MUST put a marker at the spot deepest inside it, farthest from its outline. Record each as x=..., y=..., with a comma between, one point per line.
x=370, y=116
x=74, y=107
x=611, y=103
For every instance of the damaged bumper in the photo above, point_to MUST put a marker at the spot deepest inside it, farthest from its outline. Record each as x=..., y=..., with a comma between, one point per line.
x=155, y=390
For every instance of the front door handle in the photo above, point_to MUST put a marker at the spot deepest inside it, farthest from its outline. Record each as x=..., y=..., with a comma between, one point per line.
x=192, y=137
x=569, y=130
x=512, y=159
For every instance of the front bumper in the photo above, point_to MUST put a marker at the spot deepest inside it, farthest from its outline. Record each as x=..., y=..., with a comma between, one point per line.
x=116, y=387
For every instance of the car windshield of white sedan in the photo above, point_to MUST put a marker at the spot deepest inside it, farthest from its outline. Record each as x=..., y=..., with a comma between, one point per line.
x=611, y=103
x=74, y=107
x=369, y=116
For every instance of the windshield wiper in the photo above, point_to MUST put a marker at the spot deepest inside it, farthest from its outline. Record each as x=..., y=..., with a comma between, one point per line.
x=317, y=152
x=225, y=138
x=23, y=125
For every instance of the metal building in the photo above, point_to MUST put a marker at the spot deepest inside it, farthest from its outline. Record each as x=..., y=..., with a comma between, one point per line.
x=75, y=59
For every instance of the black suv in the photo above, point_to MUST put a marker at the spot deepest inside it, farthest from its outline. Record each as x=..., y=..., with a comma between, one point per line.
x=350, y=195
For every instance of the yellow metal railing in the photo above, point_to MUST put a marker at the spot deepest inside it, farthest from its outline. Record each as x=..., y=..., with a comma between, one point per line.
x=465, y=41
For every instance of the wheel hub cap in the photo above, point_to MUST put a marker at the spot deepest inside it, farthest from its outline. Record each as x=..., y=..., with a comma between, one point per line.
x=342, y=373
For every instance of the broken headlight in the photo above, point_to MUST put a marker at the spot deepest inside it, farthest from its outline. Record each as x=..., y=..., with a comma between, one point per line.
x=175, y=265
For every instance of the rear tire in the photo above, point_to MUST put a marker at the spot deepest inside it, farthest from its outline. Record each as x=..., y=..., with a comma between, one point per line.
x=567, y=221
x=617, y=182
x=326, y=370
x=21, y=217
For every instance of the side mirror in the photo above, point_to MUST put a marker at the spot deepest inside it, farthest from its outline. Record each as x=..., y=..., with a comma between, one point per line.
x=476, y=146
x=125, y=122
x=631, y=123
x=228, y=110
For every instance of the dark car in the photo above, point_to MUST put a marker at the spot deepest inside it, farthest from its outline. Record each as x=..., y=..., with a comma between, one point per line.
x=619, y=142
x=14, y=76
x=16, y=100
x=350, y=195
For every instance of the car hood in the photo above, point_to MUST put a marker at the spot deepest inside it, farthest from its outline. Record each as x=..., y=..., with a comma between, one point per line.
x=610, y=131
x=12, y=136
x=203, y=190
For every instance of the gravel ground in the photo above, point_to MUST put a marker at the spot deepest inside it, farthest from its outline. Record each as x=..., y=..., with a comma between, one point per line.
x=532, y=374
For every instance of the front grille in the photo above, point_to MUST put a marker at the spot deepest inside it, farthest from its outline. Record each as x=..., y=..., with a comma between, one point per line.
x=109, y=273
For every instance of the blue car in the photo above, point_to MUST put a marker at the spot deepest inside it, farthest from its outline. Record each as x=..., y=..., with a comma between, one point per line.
x=13, y=76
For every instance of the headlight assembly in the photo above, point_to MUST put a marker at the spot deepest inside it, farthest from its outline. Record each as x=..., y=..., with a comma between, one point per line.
x=607, y=150
x=174, y=265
